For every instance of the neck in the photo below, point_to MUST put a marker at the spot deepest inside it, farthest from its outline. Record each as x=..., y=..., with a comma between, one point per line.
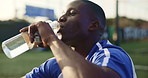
x=84, y=47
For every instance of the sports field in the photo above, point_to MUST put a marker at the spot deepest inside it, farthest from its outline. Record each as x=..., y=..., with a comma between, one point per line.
x=19, y=66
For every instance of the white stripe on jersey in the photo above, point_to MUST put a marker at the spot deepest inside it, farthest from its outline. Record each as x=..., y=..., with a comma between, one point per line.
x=106, y=59
x=109, y=42
x=99, y=45
x=60, y=76
x=134, y=73
x=106, y=52
x=133, y=68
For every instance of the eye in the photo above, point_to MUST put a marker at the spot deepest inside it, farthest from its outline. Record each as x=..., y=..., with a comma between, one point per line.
x=72, y=12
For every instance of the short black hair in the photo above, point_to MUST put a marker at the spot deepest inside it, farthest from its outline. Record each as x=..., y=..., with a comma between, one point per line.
x=98, y=11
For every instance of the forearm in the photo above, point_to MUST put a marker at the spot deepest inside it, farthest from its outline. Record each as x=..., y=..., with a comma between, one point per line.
x=72, y=64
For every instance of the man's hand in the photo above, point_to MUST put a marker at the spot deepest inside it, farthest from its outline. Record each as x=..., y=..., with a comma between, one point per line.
x=44, y=31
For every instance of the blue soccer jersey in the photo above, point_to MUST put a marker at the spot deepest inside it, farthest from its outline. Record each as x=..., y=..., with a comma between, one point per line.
x=102, y=54
x=49, y=69
x=114, y=57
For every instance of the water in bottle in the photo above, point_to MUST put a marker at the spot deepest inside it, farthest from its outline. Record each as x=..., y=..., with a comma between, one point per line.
x=14, y=46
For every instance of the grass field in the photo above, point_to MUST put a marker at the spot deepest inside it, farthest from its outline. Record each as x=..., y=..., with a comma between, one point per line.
x=138, y=50
x=19, y=66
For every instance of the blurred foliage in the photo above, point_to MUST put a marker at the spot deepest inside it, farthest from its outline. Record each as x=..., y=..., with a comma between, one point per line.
x=10, y=28
x=124, y=22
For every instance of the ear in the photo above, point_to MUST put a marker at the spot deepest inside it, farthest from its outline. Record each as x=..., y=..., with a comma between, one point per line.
x=94, y=26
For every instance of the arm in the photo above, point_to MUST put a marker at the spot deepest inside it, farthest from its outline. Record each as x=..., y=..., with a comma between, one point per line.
x=74, y=65
x=71, y=63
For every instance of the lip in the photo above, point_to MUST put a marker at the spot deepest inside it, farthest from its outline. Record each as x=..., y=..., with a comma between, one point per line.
x=61, y=28
x=60, y=33
x=62, y=25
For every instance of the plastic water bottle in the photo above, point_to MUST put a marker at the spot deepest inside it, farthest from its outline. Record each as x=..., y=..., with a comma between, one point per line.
x=20, y=43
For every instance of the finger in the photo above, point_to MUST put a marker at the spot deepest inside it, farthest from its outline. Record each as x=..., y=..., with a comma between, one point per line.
x=31, y=31
x=42, y=45
x=24, y=29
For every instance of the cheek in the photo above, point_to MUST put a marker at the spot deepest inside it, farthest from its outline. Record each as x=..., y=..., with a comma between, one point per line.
x=84, y=27
x=73, y=29
x=79, y=24
x=74, y=24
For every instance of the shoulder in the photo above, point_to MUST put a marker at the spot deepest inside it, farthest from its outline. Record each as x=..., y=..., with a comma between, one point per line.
x=121, y=62
x=52, y=67
x=113, y=57
x=51, y=61
x=119, y=54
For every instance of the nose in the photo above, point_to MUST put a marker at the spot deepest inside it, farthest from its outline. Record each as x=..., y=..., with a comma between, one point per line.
x=62, y=19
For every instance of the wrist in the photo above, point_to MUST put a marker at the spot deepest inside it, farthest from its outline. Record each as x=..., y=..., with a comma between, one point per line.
x=50, y=39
